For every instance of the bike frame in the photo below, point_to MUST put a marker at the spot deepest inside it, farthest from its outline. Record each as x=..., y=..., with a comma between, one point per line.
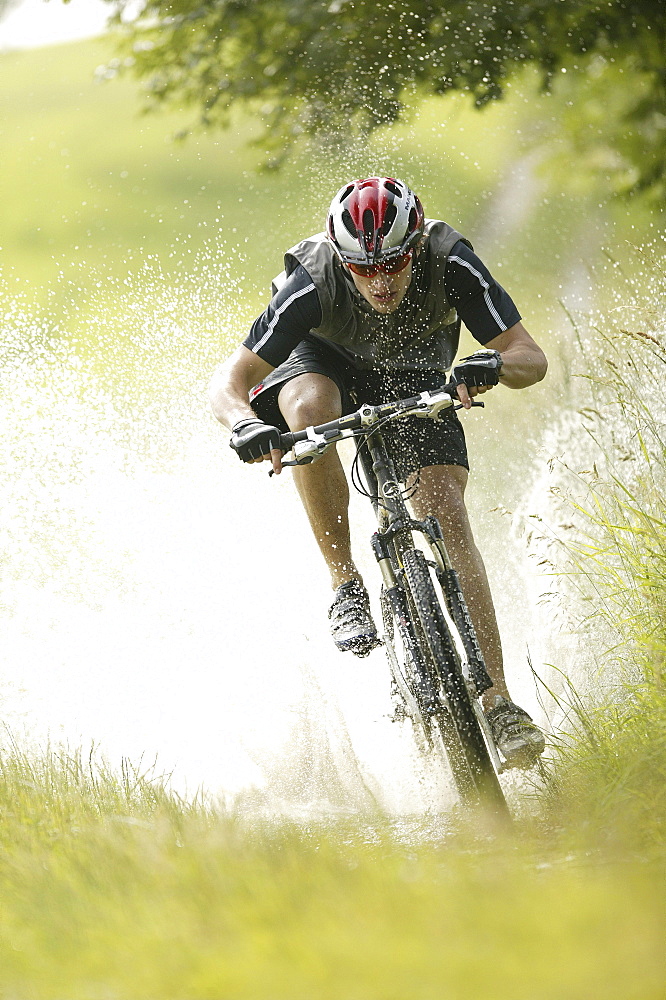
x=422, y=686
x=396, y=534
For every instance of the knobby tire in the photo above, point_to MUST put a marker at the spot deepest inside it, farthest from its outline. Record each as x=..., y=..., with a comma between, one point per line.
x=469, y=759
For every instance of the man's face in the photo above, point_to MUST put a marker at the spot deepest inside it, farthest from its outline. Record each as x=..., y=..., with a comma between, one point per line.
x=384, y=291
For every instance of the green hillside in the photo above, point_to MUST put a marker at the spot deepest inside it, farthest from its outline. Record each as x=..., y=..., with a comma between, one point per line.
x=92, y=185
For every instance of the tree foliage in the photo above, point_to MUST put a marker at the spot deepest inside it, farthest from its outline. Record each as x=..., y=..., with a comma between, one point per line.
x=314, y=66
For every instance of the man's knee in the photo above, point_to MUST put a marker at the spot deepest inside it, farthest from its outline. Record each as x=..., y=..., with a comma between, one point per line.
x=441, y=491
x=442, y=486
x=309, y=400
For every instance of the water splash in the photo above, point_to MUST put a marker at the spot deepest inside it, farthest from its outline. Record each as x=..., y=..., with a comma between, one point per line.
x=145, y=608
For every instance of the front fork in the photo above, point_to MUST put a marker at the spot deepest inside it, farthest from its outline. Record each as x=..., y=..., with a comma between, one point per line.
x=425, y=697
x=395, y=521
x=394, y=594
x=450, y=584
x=457, y=606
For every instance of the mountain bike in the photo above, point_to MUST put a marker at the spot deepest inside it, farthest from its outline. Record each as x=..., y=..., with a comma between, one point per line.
x=437, y=668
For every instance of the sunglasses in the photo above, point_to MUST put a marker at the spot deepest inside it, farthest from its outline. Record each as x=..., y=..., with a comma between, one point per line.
x=393, y=266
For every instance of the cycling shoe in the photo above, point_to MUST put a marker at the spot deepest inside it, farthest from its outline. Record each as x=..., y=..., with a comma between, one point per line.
x=518, y=738
x=351, y=623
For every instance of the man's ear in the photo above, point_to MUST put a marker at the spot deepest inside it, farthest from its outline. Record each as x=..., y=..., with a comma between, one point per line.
x=420, y=245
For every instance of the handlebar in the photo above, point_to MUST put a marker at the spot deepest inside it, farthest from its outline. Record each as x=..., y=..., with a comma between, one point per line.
x=309, y=444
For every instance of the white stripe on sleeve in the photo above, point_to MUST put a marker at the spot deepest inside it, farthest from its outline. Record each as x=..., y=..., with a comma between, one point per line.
x=486, y=293
x=278, y=313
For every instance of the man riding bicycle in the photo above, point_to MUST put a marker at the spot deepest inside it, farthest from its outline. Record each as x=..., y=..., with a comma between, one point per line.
x=366, y=312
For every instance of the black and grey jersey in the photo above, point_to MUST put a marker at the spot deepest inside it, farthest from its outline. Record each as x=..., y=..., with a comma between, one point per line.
x=294, y=312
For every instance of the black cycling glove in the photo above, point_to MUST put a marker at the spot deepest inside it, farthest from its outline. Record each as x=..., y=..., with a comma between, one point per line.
x=481, y=368
x=252, y=438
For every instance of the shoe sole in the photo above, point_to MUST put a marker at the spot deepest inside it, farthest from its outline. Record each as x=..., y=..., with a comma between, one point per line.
x=360, y=645
x=523, y=758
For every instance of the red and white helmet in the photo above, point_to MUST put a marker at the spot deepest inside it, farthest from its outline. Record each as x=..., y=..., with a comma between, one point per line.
x=373, y=220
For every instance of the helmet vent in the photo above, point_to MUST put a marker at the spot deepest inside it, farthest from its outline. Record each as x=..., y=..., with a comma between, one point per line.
x=369, y=227
x=347, y=191
x=390, y=186
x=389, y=219
x=348, y=223
x=413, y=220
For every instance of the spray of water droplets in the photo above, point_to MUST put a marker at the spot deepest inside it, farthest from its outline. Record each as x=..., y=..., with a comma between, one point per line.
x=602, y=459
x=158, y=598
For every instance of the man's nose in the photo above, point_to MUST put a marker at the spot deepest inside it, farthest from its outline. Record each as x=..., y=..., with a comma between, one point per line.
x=381, y=281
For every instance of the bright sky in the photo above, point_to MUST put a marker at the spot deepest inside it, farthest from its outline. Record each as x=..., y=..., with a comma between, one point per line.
x=37, y=22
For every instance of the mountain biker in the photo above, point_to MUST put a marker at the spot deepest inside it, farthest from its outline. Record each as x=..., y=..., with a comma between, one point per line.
x=368, y=311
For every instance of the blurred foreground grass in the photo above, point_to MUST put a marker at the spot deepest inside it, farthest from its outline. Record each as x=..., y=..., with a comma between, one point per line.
x=112, y=887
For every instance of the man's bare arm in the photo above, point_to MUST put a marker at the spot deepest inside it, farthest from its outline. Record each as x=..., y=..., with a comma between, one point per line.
x=523, y=361
x=231, y=383
x=229, y=388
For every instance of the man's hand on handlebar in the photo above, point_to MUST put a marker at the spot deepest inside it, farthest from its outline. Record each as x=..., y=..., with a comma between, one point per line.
x=476, y=374
x=255, y=441
x=467, y=393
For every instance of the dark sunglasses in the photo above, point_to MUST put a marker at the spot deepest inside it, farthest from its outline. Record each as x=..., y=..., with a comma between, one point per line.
x=393, y=266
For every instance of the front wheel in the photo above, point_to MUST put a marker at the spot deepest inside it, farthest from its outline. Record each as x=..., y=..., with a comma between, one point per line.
x=456, y=722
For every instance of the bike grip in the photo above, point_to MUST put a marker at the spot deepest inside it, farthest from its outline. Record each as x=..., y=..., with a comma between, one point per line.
x=452, y=389
x=287, y=441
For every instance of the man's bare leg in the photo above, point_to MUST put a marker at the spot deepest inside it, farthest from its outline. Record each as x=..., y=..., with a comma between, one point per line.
x=306, y=401
x=312, y=399
x=441, y=492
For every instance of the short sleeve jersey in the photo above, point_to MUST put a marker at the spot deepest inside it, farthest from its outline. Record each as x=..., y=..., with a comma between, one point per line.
x=294, y=312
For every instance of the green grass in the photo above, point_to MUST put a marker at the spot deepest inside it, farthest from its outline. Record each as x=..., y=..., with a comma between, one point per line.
x=112, y=887
x=610, y=777
x=610, y=567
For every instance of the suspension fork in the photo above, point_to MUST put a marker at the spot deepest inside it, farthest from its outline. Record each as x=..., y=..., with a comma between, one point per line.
x=392, y=512
x=388, y=543
x=396, y=595
x=456, y=604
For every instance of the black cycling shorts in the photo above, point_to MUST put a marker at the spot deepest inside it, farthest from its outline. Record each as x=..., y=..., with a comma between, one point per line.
x=415, y=443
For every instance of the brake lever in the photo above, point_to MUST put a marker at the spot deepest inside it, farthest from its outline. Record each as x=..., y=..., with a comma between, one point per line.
x=303, y=461
x=475, y=402
x=271, y=472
